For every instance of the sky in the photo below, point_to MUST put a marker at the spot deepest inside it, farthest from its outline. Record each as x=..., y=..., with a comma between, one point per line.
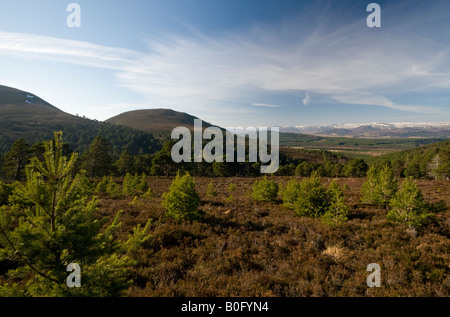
x=233, y=62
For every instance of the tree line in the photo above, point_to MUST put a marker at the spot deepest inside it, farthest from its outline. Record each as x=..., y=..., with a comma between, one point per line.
x=80, y=134
x=426, y=162
x=101, y=158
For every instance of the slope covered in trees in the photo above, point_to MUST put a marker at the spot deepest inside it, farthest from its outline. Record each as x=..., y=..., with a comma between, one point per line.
x=103, y=156
x=26, y=116
x=430, y=161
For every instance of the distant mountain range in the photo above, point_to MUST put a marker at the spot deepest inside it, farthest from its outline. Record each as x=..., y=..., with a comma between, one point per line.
x=376, y=130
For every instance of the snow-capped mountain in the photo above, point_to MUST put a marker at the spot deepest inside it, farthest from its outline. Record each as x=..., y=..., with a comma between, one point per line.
x=376, y=129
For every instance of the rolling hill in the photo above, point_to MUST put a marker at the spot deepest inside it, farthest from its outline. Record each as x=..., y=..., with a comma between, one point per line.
x=159, y=122
x=25, y=115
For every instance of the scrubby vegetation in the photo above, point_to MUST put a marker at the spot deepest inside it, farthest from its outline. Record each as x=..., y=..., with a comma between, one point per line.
x=408, y=206
x=337, y=212
x=248, y=248
x=265, y=190
x=182, y=200
x=185, y=235
x=380, y=186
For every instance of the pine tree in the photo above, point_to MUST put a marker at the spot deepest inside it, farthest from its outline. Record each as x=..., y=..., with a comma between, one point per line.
x=51, y=223
x=265, y=190
x=388, y=185
x=113, y=189
x=102, y=186
x=5, y=191
x=211, y=190
x=2, y=171
x=128, y=185
x=134, y=184
x=125, y=163
x=290, y=193
x=142, y=185
x=313, y=197
x=16, y=159
x=369, y=189
x=380, y=186
x=443, y=168
x=408, y=206
x=337, y=212
x=162, y=163
x=97, y=160
x=182, y=200
x=355, y=168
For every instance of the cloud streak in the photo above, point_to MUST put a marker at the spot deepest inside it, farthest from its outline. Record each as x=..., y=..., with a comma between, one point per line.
x=36, y=47
x=265, y=105
x=348, y=65
x=307, y=99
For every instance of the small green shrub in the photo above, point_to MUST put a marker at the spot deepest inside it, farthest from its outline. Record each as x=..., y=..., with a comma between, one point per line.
x=265, y=190
x=380, y=186
x=134, y=184
x=313, y=198
x=129, y=185
x=229, y=199
x=211, y=190
x=102, y=186
x=142, y=186
x=337, y=211
x=182, y=200
x=148, y=194
x=409, y=206
x=231, y=187
x=113, y=189
x=290, y=193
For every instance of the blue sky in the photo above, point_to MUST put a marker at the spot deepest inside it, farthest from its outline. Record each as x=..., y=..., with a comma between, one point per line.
x=234, y=62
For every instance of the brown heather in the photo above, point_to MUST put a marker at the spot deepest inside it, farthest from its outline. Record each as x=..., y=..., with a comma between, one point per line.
x=241, y=247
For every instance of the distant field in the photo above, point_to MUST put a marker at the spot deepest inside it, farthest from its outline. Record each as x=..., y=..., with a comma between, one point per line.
x=359, y=147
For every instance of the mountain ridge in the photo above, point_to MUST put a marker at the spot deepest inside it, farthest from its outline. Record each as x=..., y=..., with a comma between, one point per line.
x=376, y=130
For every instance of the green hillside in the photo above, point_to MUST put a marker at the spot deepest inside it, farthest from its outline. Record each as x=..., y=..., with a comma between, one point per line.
x=430, y=161
x=25, y=115
x=160, y=122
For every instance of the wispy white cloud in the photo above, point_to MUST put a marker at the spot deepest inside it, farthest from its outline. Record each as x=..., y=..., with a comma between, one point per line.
x=36, y=47
x=377, y=100
x=265, y=105
x=307, y=99
x=348, y=65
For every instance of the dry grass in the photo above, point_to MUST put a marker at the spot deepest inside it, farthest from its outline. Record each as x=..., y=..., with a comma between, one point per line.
x=337, y=252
